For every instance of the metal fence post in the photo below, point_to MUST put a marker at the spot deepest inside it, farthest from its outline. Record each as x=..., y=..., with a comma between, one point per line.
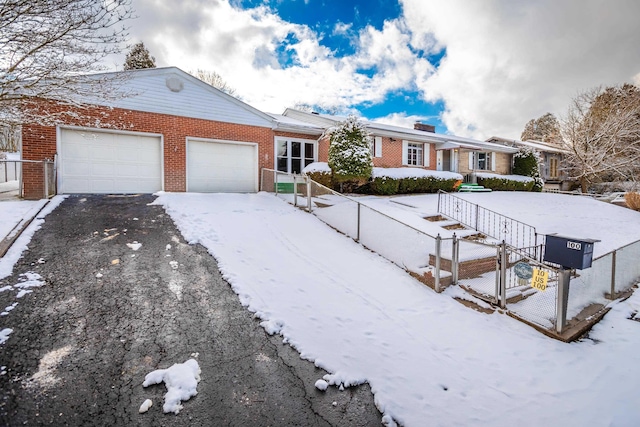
x=613, y=275
x=436, y=283
x=503, y=274
x=276, y=181
x=455, y=253
x=295, y=191
x=308, y=194
x=358, y=231
x=564, y=277
x=477, y=215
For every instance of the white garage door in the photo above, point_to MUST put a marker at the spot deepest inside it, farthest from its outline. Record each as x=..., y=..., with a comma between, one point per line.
x=221, y=167
x=111, y=163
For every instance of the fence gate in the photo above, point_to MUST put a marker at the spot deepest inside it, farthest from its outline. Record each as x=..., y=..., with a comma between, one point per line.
x=478, y=268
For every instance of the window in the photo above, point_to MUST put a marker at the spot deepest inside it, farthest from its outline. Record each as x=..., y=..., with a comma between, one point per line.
x=293, y=155
x=375, y=143
x=415, y=153
x=482, y=161
x=553, y=167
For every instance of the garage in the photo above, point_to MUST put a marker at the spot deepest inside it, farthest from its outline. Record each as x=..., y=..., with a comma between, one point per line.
x=92, y=161
x=216, y=166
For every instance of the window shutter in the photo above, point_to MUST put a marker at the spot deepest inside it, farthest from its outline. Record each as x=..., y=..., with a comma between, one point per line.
x=405, y=147
x=493, y=161
x=426, y=148
x=377, y=146
x=472, y=156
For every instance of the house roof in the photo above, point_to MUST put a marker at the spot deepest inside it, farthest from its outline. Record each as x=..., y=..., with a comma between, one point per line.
x=380, y=129
x=172, y=91
x=536, y=145
x=290, y=124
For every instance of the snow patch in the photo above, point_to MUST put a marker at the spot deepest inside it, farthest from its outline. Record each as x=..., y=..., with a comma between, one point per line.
x=181, y=381
x=4, y=335
x=321, y=385
x=174, y=264
x=145, y=406
x=135, y=245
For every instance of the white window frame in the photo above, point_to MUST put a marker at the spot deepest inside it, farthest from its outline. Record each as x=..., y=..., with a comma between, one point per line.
x=426, y=148
x=489, y=160
x=279, y=139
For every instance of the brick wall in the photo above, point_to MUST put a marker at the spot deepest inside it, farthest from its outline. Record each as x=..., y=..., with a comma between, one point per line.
x=39, y=142
x=391, y=154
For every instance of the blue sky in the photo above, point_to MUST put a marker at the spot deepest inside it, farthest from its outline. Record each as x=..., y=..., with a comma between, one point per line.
x=476, y=69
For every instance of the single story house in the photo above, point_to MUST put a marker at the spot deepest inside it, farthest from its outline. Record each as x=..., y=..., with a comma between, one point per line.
x=551, y=156
x=172, y=133
x=395, y=146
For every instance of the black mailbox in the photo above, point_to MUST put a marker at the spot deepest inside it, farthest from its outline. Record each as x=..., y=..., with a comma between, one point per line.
x=569, y=252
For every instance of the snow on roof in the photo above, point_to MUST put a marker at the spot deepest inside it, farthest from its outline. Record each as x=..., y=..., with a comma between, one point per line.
x=289, y=123
x=538, y=145
x=443, y=141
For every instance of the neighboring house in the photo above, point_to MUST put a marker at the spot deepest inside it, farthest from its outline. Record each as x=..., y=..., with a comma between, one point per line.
x=551, y=160
x=395, y=146
x=175, y=133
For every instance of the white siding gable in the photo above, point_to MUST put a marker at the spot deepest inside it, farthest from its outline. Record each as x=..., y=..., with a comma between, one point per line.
x=172, y=91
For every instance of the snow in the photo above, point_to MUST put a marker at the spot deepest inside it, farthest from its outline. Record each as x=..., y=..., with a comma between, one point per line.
x=4, y=335
x=519, y=178
x=426, y=356
x=13, y=213
x=321, y=385
x=400, y=173
x=317, y=167
x=8, y=215
x=145, y=406
x=181, y=380
x=134, y=246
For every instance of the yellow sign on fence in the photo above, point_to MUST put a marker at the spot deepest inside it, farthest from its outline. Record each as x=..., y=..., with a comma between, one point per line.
x=539, y=279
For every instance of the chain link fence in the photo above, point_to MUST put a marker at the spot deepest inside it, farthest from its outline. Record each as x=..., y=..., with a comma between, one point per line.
x=498, y=273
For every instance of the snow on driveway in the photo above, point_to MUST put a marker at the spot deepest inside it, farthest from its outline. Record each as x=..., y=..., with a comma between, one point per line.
x=429, y=360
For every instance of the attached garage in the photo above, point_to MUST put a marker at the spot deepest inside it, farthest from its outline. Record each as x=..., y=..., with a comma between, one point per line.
x=218, y=166
x=96, y=161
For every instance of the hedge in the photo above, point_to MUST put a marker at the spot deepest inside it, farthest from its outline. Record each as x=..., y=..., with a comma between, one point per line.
x=503, y=184
x=388, y=186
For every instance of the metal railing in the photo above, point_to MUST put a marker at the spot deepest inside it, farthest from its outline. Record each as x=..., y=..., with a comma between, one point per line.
x=493, y=224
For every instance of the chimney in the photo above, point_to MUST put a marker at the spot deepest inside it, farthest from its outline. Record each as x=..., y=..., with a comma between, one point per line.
x=424, y=127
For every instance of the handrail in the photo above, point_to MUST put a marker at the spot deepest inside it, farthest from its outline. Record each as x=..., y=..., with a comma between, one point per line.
x=336, y=193
x=472, y=212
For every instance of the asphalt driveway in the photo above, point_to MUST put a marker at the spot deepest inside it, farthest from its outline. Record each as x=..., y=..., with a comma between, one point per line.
x=109, y=313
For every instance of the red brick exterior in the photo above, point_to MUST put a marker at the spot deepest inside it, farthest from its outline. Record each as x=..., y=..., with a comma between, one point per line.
x=391, y=154
x=39, y=142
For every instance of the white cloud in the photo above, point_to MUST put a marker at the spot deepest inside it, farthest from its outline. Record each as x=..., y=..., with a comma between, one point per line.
x=404, y=120
x=506, y=62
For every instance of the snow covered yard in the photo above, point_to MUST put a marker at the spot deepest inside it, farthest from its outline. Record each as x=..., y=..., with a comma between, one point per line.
x=429, y=360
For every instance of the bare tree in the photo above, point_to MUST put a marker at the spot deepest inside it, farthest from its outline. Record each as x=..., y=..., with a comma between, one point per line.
x=10, y=138
x=602, y=135
x=139, y=58
x=545, y=128
x=48, y=48
x=214, y=79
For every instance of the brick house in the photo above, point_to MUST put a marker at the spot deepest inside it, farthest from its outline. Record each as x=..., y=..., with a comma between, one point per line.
x=174, y=133
x=395, y=146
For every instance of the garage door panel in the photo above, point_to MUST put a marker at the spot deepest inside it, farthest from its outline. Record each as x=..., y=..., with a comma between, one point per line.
x=221, y=167
x=102, y=162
